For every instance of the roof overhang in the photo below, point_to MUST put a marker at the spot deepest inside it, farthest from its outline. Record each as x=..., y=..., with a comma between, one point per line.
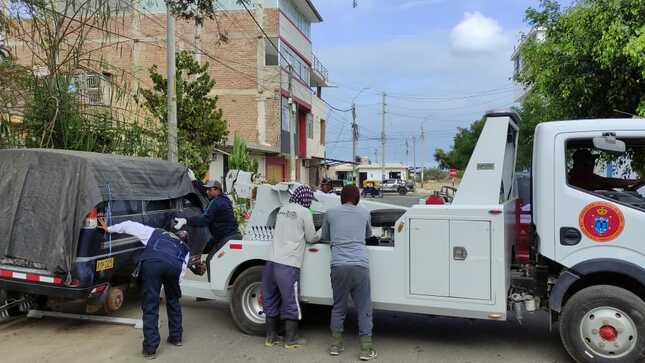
x=308, y=9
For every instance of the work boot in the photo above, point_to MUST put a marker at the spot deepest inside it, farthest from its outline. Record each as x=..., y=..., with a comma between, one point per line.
x=149, y=355
x=292, y=339
x=177, y=342
x=336, y=347
x=367, y=349
x=272, y=336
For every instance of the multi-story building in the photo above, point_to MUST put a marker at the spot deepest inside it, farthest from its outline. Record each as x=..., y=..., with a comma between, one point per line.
x=252, y=76
x=519, y=91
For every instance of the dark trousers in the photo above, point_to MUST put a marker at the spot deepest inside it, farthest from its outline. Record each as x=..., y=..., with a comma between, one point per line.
x=214, y=245
x=351, y=281
x=280, y=291
x=154, y=274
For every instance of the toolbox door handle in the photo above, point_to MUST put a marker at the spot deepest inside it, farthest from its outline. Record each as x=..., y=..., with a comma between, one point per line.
x=459, y=253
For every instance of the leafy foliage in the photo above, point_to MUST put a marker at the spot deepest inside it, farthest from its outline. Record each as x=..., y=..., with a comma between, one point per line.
x=590, y=65
x=200, y=123
x=240, y=158
x=462, y=147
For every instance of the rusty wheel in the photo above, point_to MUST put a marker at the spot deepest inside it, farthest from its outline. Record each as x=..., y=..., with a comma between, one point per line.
x=114, y=300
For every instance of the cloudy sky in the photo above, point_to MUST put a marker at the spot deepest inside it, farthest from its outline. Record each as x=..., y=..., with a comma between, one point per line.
x=443, y=63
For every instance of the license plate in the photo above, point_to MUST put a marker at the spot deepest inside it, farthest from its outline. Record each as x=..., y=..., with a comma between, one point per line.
x=105, y=264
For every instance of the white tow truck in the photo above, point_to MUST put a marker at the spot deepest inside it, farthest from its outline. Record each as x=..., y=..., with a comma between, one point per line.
x=587, y=255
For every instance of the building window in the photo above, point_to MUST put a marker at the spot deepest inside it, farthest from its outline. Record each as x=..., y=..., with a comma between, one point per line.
x=322, y=132
x=310, y=126
x=285, y=114
x=270, y=53
x=296, y=17
x=300, y=66
x=94, y=88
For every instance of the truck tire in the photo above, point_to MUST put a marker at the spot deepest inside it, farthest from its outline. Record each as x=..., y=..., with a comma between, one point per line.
x=403, y=191
x=603, y=324
x=246, y=303
x=386, y=217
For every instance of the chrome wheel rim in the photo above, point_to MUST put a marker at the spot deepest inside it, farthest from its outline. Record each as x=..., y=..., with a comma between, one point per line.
x=608, y=332
x=252, y=303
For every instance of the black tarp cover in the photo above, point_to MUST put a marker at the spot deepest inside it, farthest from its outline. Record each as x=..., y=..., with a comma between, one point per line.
x=46, y=194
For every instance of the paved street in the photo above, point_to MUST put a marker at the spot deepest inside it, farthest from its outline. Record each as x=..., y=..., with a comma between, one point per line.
x=210, y=336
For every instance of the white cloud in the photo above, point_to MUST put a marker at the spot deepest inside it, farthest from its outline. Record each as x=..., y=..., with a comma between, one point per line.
x=417, y=3
x=477, y=34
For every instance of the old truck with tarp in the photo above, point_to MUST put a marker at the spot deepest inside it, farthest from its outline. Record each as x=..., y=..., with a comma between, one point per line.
x=52, y=256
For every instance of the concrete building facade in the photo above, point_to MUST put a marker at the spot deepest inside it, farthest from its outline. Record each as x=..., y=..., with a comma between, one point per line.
x=519, y=91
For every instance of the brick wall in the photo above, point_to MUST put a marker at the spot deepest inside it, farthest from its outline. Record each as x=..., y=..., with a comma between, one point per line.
x=235, y=67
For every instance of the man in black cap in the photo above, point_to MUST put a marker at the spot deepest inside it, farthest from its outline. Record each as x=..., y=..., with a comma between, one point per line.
x=219, y=218
x=326, y=186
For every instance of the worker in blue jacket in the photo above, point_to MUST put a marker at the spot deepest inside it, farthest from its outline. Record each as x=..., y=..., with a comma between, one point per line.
x=219, y=218
x=162, y=263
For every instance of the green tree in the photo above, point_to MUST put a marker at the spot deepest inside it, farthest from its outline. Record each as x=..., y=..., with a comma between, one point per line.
x=591, y=64
x=240, y=158
x=200, y=123
x=462, y=147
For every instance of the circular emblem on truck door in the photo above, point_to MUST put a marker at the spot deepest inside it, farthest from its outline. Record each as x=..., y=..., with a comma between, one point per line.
x=602, y=221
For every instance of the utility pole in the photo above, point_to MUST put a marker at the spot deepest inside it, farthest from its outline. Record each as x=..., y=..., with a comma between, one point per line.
x=423, y=139
x=354, y=140
x=171, y=84
x=383, y=140
x=292, y=129
x=414, y=157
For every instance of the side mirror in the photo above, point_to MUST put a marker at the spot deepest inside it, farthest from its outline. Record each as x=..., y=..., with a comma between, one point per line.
x=608, y=142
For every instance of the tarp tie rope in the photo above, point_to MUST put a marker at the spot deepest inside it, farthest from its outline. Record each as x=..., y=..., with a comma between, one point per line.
x=109, y=216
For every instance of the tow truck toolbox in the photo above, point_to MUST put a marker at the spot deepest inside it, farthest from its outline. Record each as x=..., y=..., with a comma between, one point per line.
x=51, y=253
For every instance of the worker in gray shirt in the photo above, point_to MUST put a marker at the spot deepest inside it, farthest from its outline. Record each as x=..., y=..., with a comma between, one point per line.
x=347, y=227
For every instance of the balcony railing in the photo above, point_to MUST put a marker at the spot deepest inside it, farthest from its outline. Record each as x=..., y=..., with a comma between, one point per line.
x=320, y=68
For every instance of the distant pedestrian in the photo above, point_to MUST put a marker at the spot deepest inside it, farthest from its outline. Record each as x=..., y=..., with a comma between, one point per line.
x=294, y=228
x=347, y=227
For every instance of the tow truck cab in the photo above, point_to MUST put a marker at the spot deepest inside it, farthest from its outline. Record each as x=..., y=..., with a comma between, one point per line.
x=589, y=228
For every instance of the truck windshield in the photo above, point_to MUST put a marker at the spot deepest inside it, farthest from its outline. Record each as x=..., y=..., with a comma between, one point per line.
x=617, y=177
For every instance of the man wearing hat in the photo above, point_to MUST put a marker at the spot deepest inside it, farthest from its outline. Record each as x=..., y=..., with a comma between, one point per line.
x=326, y=186
x=219, y=218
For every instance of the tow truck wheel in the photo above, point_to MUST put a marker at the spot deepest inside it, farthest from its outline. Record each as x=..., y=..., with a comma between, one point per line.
x=246, y=302
x=604, y=324
x=403, y=191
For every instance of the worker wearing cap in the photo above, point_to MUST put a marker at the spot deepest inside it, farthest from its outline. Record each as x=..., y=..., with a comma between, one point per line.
x=582, y=174
x=162, y=263
x=219, y=219
x=326, y=186
x=294, y=228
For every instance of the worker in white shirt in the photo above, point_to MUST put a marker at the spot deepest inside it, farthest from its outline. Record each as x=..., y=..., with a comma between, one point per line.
x=293, y=228
x=162, y=263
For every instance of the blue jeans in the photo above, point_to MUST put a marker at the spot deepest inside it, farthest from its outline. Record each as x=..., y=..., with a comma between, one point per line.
x=280, y=291
x=154, y=274
x=354, y=281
